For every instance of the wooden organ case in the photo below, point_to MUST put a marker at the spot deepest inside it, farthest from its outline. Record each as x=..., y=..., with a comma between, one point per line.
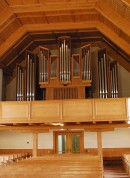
x=66, y=75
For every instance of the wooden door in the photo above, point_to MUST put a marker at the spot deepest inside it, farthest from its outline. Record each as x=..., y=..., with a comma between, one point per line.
x=68, y=142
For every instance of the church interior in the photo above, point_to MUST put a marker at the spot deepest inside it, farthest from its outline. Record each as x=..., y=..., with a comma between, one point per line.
x=64, y=88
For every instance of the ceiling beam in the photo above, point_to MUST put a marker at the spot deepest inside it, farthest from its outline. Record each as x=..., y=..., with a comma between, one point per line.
x=117, y=20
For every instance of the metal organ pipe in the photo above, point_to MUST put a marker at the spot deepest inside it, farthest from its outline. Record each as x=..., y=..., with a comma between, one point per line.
x=64, y=55
x=86, y=75
x=20, y=83
x=114, y=80
x=30, y=78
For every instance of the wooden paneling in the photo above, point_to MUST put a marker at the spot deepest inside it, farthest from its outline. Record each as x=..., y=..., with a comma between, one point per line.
x=110, y=109
x=47, y=111
x=16, y=112
x=77, y=110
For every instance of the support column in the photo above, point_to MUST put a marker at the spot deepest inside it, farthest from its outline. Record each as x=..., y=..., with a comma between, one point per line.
x=99, y=142
x=35, y=144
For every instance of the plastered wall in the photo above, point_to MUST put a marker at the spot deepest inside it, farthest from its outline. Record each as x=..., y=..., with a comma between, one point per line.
x=120, y=138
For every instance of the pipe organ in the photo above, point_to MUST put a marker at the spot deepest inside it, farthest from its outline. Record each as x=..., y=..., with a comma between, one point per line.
x=65, y=75
x=107, y=72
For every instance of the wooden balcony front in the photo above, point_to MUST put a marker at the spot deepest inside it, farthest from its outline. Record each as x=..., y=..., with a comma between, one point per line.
x=65, y=111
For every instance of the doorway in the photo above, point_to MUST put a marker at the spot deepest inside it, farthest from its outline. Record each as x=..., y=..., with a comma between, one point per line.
x=68, y=142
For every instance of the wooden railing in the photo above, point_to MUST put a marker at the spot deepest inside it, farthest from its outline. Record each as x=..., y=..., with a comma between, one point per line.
x=80, y=110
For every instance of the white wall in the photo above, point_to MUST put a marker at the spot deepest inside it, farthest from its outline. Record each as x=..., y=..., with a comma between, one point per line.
x=120, y=138
x=123, y=82
x=45, y=140
x=15, y=140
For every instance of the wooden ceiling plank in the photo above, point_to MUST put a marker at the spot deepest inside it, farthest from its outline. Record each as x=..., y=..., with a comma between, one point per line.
x=12, y=40
x=59, y=26
x=52, y=7
x=5, y=15
x=108, y=13
x=114, y=38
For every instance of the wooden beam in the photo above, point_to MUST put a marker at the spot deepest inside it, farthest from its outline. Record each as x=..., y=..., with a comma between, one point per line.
x=45, y=128
x=6, y=69
x=99, y=129
x=113, y=17
x=99, y=143
x=8, y=44
x=121, y=43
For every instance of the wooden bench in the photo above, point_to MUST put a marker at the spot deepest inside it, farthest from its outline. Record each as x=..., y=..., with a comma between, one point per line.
x=126, y=163
x=56, y=166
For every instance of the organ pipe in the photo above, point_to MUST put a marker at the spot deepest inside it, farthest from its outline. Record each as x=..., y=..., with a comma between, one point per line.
x=113, y=80
x=108, y=80
x=64, y=59
x=43, y=64
x=103, y=74
x=86, y=59
x=30, y=77
x=20, y=83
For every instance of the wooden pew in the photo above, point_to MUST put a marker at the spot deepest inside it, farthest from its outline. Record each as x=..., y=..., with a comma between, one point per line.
x=9, y=158
x=56, y=166
x=126, y=163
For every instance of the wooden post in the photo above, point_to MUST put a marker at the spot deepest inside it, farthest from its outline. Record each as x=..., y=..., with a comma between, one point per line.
x=99, y=142
x=35, y=144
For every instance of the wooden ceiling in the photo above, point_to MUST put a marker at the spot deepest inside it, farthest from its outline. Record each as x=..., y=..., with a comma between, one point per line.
x=25, y=24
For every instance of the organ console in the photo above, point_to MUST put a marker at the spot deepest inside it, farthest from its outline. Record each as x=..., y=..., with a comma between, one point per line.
x=65, y=75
